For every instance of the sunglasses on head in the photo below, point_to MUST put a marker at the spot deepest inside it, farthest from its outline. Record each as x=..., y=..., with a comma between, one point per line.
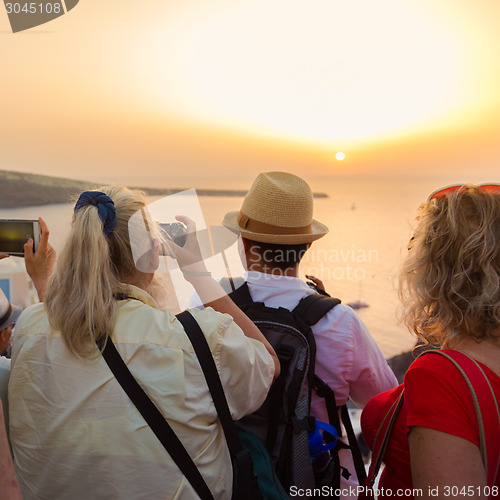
x=440, y=193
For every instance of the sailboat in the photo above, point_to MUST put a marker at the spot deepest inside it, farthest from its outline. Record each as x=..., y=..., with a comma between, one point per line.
x=358, y=304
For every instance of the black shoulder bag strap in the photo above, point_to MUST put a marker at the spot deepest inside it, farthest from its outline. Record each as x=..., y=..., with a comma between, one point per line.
x=245, y=487
x=156, y=421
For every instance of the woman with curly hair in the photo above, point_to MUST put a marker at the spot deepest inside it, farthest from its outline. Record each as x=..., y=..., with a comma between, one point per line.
x=446, y=436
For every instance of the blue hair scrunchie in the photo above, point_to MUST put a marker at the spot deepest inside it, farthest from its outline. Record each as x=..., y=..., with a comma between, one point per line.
x=105, y=208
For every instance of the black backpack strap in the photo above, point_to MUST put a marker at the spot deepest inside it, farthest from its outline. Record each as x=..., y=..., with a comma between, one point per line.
x=242, y=459
x=156, y=421
x=323, y=390
x=310, y=308
x=353, y=444
x=231, y=284
x=313, y=307
x=241, y=294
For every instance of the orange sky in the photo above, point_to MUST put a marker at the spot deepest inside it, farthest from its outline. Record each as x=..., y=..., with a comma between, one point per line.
x=223, y=89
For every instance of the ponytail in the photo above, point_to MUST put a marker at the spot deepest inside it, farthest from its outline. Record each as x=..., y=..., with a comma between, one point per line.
x=80, y=300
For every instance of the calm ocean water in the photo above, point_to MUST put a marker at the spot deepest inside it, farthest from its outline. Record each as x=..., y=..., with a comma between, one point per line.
x=370, y=224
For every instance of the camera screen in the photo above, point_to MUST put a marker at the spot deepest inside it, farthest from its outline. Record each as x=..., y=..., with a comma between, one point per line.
x=14, y=234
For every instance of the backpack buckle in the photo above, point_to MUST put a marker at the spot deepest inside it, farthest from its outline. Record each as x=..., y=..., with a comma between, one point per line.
x=321, y=388
x=307, y=423
x=284, y=352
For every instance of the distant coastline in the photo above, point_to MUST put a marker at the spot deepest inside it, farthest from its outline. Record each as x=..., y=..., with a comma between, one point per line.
x=18, y=189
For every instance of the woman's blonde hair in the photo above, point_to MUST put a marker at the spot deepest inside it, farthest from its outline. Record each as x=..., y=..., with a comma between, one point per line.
x=450, y=281
x=80, y=297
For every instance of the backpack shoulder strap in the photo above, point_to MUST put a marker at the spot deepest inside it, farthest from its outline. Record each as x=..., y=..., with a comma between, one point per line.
x=238, y=290
x=313, y=307
x=310, y=308
x=485, y=405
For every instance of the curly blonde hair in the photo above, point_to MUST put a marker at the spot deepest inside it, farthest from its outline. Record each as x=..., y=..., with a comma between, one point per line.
x=450, y=282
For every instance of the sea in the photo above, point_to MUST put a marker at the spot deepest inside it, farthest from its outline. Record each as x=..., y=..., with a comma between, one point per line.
x=370, y=222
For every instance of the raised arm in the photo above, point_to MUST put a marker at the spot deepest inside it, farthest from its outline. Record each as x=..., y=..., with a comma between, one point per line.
x=210, y=292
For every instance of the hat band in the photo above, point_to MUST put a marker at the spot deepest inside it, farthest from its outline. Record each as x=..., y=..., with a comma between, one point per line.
x=256, y=226
x=6, y=316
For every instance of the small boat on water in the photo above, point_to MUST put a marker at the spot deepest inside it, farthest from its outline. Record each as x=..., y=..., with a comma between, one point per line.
x=358, y=304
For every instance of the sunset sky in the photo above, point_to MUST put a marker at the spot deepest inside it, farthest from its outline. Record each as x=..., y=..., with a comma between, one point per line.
x=219, y=90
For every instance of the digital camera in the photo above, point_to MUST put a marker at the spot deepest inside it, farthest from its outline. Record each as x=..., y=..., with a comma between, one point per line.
x=176, y=231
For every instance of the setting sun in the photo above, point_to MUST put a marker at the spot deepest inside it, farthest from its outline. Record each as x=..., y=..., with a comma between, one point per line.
x=340, y=155
x=199, y=87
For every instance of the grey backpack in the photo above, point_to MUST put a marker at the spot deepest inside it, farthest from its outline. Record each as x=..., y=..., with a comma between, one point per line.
x=284, y=421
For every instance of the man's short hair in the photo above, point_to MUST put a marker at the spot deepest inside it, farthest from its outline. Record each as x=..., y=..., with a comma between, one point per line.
x=278, y=256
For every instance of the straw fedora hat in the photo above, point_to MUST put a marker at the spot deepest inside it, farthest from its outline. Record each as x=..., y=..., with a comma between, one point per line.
x=277, y=209
x=8, y=312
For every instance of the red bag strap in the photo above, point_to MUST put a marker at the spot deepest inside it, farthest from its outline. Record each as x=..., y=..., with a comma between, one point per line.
x=486, y=407
x=382, y=439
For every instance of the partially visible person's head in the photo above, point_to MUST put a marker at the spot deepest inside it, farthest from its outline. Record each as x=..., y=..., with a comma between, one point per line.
x=450, y=281
x=276, y=220
x=8, y=317
x=269, y=257
x=96, y=259
x=5, y=337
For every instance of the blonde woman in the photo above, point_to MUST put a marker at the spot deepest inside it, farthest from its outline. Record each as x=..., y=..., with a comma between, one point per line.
x=74, y=431
x=450, y=286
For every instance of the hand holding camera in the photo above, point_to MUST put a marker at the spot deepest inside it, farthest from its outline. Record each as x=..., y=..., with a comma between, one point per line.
x=188, y=255
x=40, y=263
x=174, y=231
x=14, y=233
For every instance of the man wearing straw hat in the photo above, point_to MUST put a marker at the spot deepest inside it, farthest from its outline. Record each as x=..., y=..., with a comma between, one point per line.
x=277, y=228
